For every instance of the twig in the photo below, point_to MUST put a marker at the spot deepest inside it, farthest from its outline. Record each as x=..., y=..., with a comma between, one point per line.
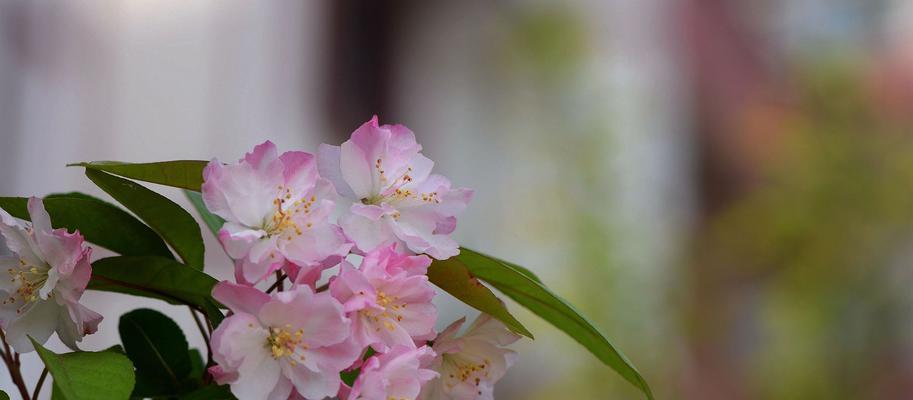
x=205, y=335
x=44, y=374
x=279, y=280
x=11, y=360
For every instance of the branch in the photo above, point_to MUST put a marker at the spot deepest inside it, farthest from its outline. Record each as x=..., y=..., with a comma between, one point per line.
x=11, y=359
x=278, y=284
x=44, y=374
x=205, y=336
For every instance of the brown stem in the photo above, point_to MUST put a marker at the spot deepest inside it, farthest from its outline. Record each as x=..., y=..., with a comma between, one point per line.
x=280, y=277
x=205, y=336
x=44, y=374
x=11, y=359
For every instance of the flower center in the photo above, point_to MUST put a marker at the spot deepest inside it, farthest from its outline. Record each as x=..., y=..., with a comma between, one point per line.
x=284, y=343
x=282, y=221
x=29, y=279
x=393, y=191
x=389, y=316
x=463, y=370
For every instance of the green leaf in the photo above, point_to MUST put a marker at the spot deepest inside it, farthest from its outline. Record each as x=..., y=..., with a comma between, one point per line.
x=154, y=277
x=454, y=278
x=197, y=365
x=89, y=375
x=184, y=174
x=172, y=222
x=541, y=301
x=99, y=222
x=210, y=393
x=4, y=396
x=211, y=308
x=214, y=222
x=55, y=392
x=159, y=352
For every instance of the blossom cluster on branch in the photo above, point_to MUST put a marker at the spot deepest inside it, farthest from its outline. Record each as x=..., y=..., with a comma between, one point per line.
x=279, y=212
x=367, y=217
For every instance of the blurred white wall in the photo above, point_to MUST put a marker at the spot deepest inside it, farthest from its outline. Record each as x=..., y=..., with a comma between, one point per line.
x=147, y=81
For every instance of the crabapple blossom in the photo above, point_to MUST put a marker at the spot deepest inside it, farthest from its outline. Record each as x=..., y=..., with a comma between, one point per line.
x=387, y=309
x=397, y=374
x=272, y=344
x=47, y=276
x=276, y=209
x=395, y=198
x=471, y=364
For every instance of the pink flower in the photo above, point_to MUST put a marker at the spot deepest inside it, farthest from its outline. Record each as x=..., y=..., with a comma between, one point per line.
x=397, y=374
x=275, y=343
x=387, y=309
x=277, y=209
x=395, y=197
x=470, y=365
x=47, y=276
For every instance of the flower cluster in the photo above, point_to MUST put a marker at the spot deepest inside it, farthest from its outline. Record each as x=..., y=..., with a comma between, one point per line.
x=294, y=216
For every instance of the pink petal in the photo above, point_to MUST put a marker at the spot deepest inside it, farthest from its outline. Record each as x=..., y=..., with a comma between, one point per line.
x=238, y=239
x=352, y=289
x=240, y=298
x=319, y=316
x=262, y=155
x=299, y=171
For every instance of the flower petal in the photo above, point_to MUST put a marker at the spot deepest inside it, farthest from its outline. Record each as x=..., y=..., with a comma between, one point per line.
x=328, y=158
x=39, y=322
x=240, y=298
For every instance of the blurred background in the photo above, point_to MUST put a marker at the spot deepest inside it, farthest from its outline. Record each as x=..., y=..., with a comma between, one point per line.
x=723, y=186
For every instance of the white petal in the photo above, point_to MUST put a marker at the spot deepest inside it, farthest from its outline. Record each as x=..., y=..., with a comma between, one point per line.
x=329, y=168
x=366, y=234
x=18, y=240
x=38, y=322
x=356, y=170
x=41, y=221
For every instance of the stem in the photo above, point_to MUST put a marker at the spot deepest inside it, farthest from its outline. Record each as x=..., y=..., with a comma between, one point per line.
x=44, y=374
x=278, y=284
x=205, y=336
x=280, y=280
x=11, y=359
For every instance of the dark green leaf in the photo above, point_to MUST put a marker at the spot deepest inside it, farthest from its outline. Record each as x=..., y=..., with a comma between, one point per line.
x=197, y=365
x=210, y=393
x=4, y=396
x=541, y=301
x=158, y=350
x=100, y=222
x=184, y=174
x=155, y=277
x=55, y=392
x=89, y=375
x=211, y=308
x=214, y=222
x=171, y=221
x=452, y=276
